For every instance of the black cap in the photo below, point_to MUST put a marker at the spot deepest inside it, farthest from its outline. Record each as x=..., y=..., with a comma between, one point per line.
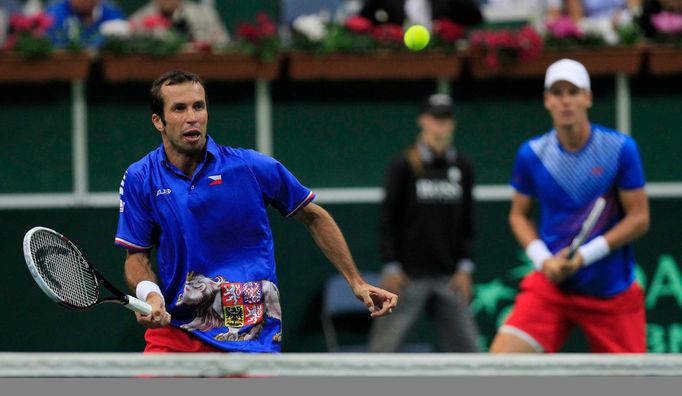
x=439, y=105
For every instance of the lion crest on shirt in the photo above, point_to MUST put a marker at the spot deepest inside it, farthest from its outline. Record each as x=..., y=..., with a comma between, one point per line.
x=235, y=305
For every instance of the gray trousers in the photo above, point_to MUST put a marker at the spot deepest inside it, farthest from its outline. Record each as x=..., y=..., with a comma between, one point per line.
x=451, y=316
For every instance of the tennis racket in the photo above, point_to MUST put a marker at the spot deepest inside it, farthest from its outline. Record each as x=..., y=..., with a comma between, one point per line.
x=62, y=272
x=587, y=227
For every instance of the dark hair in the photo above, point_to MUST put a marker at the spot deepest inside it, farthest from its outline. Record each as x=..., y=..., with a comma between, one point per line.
x=170, y=78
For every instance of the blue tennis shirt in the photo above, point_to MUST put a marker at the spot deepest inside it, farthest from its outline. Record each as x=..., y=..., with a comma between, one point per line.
x=567, y=184
x=214, y=244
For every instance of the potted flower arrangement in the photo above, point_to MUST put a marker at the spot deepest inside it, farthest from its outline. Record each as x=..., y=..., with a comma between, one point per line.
x=526, y=52
x=503, y=51
x=357, y=49
x=665, y=57
x=28, y=54
x=153, y=36
x=142, y=52
x=28, y=36
x=603, y=47
x=259, y=38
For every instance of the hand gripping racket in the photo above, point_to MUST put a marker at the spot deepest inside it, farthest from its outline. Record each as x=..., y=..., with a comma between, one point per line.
x=62, y=272
x=587, y=227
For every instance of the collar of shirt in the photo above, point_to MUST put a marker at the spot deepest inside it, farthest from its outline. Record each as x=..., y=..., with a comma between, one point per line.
x=428, y=157
x=211, y=150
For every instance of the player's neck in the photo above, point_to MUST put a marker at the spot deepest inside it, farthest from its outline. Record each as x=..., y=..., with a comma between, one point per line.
x=186, y=164
x=573, y=137
x=438, y=147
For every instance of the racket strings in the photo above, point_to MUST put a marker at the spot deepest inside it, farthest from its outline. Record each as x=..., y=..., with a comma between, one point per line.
x=64, y=270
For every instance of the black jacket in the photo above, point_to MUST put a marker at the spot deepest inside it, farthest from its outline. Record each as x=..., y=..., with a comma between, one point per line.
x=463, y=12
x=427, y=217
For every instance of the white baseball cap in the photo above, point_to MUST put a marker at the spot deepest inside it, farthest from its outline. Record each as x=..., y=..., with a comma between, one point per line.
x=568, y=70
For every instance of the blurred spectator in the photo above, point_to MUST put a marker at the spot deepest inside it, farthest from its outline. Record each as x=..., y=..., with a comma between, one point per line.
x=422, y=12
x=537, y=12
x=618, y=11
x=292, y=9
x=7, y=9
x=198, y=21
x=426, y=234
x=78, y=21
x=657, y=7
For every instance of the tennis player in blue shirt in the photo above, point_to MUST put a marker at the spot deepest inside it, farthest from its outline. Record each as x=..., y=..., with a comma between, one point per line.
x=566, y=170
x=203, y=206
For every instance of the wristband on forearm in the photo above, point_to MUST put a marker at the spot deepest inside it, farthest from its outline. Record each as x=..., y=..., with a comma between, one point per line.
x=538, y=252
x=145, y=287
x=594, y=250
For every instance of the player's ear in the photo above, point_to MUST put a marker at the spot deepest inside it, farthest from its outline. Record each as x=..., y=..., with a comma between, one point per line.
x=589, y=98
x=545, y=96
x=158, y=122
x=420, y=121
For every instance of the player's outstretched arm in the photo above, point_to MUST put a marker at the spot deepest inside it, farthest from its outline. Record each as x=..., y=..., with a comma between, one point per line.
x=328, y=237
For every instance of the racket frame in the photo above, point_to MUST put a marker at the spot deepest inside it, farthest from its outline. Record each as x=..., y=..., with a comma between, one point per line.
x=587, y=226
x=119, y=297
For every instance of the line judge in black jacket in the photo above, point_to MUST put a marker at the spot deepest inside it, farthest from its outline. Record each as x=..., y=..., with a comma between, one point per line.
x=462, y=12
x=426, y=229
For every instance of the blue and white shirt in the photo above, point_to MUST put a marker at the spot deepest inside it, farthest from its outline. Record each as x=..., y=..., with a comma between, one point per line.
x=214, y=243
x=567, y=184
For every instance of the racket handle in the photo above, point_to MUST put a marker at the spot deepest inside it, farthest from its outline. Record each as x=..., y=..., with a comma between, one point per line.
x=138, y=306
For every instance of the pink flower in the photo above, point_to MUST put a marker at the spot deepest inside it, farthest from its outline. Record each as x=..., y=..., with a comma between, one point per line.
x=248, y=32
x=388, y=33
x=525, y=43
x=530, y=43
x=265, y=25
x=448, y=31
x=36, y=24
x=20, y=23
x=152, y=22
x=203, y=47
x=564, y=27
x=359, y=24
x=667, y=22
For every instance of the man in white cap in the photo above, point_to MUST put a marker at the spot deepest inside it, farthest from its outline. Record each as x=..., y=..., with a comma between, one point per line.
x=566, y=170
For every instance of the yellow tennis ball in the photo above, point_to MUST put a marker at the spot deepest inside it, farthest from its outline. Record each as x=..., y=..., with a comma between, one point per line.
x=416, y=37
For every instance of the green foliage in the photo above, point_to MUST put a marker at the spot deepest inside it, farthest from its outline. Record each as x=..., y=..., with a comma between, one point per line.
x=629, y=35
x=267, y=49
x=29, y=47
x=170, y=43
x=588, y=40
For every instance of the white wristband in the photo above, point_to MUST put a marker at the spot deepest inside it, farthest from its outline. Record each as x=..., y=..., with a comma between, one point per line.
x=145, y=287
x=538, y=252
x=594, y=250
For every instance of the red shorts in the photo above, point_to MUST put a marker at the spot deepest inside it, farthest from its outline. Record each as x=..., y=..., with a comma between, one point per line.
x=171, y=339
x=544, y=315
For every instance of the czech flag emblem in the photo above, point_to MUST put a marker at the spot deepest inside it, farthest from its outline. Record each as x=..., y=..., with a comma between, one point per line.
x=217, y=179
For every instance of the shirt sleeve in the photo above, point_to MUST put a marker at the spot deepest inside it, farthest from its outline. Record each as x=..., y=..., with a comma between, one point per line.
x=135, y=224
x=279, y=186
x=521, y=178
x=631, y=173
